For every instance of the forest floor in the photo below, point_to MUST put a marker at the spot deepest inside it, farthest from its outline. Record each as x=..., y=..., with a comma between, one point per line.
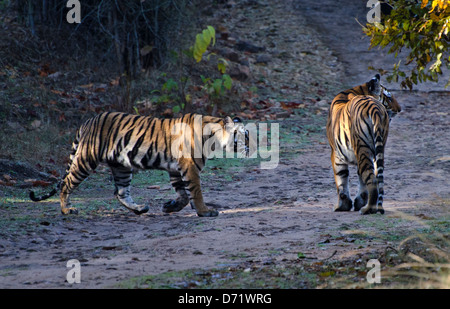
x=276, y=227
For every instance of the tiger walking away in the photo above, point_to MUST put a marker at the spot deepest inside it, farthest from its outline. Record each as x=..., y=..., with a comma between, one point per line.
x=126, y=142
x=357, y=131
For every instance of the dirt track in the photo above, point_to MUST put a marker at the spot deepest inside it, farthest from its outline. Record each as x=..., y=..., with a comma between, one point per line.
x=271, y=216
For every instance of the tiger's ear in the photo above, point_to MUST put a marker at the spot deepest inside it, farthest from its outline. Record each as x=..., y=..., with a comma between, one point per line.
x=374, y=85
x=237, y=119
x=228, y=120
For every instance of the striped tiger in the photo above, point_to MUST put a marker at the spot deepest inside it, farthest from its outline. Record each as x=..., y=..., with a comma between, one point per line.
x=357, y=131
x=126, y=142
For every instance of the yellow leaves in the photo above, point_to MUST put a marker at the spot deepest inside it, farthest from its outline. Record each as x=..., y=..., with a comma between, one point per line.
x=202, y=41
x=434, y=17
x=445, y=29
x=441, y=4
x=424, y=34
x=222, y=65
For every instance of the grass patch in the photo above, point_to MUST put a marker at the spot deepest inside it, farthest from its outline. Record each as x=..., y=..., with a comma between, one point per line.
x=226, y=278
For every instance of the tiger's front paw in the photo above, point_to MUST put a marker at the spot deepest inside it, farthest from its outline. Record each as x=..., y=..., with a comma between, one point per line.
x=70, y=210
x=140, y=209
x=209, y=213
x=344, y=203
x=360, y=201
x=369, y=209
x=173, y=206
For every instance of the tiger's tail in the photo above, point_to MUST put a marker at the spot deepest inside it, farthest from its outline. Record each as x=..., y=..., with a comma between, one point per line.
x=34, y=198
x=379, y=139
x=55, y=190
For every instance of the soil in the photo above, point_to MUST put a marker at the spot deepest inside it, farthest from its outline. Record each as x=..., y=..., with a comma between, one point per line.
x=266, y=217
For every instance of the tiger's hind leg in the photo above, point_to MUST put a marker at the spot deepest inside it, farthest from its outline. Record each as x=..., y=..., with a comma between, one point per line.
x=341, y=178
x=180, y=187
x=122, y=182
x=66, y=190
x=371, y=183
x=362, y=197
x=77, y=171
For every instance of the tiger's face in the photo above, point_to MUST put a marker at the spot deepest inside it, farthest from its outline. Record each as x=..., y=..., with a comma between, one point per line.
x=241, y=137
x=390, y=103
x=377, y=90
x=230, y=134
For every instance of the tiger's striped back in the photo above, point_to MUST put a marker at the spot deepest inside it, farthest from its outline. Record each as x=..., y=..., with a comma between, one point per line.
x=136, y=141
x=357, y=130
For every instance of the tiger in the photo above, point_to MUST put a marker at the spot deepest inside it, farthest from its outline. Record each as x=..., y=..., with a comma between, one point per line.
x=357, y=131
x=127, y=142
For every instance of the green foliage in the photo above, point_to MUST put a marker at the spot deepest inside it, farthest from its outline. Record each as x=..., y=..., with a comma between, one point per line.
x=222, y=65
x=421, y=28
x=217, y=87
x=214, y=88
x=170, y=85
x=168, y=94
x=174, y=92
x=202, y=42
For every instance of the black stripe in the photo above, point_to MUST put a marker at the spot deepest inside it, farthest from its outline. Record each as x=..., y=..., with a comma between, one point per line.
x=180, y=184
x=107, y=136
x=138, y=144
x=380, y=163
x=127, y=137
x=117, y=128
x=157, y=161
x=343, y=173
x=198, y=167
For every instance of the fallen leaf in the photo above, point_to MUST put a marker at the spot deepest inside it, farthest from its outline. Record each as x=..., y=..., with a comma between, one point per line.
x=146, y=50
x=90, y=85
x=41, y=183
x=62, y=117
x=54, y=172
x=35, y=124
x=424, y=217
x=55, y=75
x=441, y=159
x=6, y=183
x=154, y=187
x=289, y=105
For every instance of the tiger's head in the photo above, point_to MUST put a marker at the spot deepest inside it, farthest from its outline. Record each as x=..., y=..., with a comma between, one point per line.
x=241, y=137
x=229, y=133
x=377, y=90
